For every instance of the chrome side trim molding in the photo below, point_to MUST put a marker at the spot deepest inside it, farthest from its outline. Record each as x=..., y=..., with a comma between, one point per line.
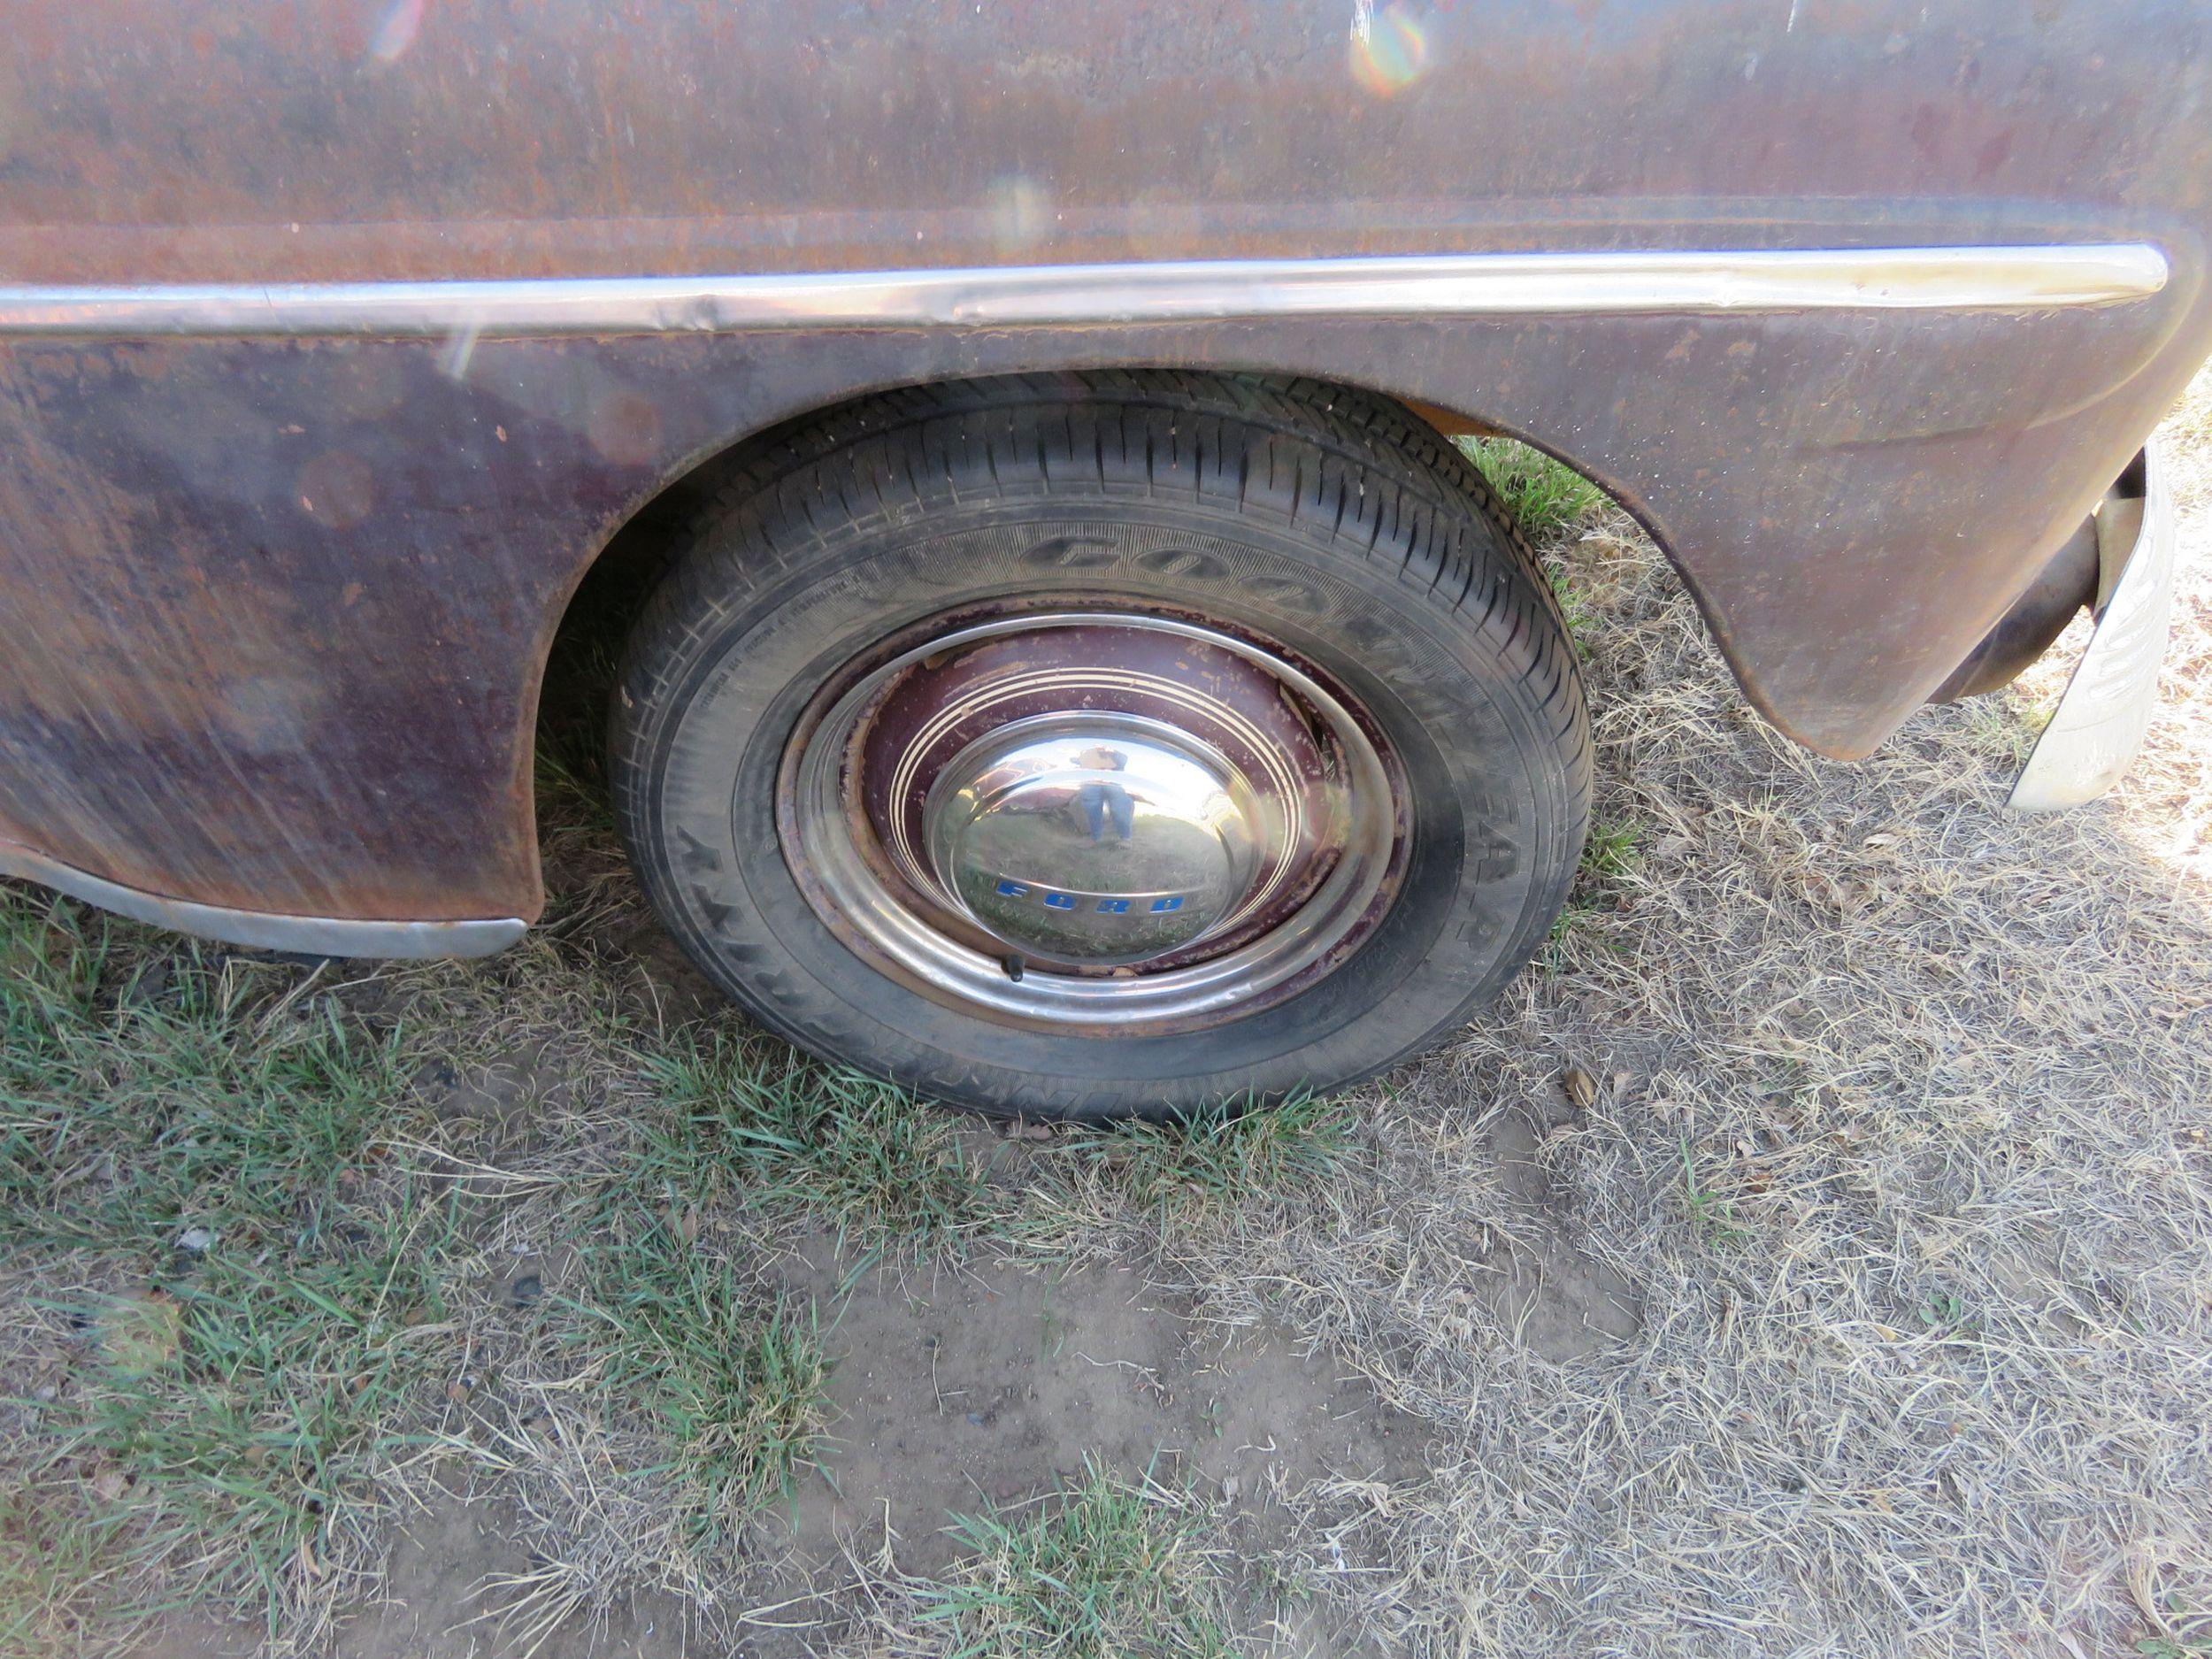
x=2100, y=721
x=308, y=935
x=1444, y=285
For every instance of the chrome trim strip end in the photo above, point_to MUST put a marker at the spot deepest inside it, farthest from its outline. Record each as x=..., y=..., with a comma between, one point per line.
x=2017, y=278
x=2099, y=726
x=307, y=935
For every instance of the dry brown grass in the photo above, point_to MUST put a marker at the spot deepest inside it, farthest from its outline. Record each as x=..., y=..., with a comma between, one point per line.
x=1926, y=1357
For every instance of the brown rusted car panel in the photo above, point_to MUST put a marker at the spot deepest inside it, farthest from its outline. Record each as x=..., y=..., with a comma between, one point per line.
x=273, y=611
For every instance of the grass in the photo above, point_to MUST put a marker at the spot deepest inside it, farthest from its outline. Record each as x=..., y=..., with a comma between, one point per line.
x=1610, y=851
x=1715, y=1216
x=805, y=1143
x=1549, y=501
x=1608, y=854
x=643, y=1425
x=247, y=1292
x=230, y=1430
x=1106, y=1569
x=52, y=1568
x=1574, y=607
x=194, y=1143
x=2179, y=1647
x=148, y=1095
x=1944, y=1312
x=1226, y=1157
x=2182, y=1629
x=1978, y=1138
x=569, y=792
x=2003, y=726
x=733, y=1382
x=806, y=1146
x=1544, y=497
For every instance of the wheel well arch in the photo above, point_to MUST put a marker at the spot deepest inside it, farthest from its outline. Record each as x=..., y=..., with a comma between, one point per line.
x=574, y=668
x=688, y=482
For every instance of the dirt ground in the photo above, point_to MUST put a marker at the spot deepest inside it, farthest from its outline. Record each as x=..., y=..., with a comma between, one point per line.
x=1811, y=1255
x=986, y=1386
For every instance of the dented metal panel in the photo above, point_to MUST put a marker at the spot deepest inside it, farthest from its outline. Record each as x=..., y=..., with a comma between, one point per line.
x=275, y=609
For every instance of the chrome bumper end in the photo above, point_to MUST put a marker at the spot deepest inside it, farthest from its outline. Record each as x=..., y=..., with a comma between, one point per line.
x=2099, y=726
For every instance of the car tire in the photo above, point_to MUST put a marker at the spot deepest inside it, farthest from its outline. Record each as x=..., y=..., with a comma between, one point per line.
x=1338, y=668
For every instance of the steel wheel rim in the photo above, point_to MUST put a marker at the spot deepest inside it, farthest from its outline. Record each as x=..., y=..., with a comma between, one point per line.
x=1307, y=807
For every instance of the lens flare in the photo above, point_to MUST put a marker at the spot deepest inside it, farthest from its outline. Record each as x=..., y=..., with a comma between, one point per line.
x=1391, y=53
x=1021, y=211
x=397, y=33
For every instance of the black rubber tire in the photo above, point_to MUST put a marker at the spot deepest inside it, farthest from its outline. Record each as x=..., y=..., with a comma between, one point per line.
x=1330, y=520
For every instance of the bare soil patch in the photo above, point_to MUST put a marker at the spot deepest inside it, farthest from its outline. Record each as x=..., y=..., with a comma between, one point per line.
x=991, y=1387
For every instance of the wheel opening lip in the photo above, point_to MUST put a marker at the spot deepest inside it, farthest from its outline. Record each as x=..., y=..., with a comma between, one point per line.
x=859, y=893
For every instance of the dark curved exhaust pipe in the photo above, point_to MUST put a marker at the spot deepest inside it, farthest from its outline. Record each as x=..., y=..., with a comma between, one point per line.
x=2067, y=584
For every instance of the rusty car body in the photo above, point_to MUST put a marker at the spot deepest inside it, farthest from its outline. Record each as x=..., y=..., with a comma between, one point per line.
x=338, y=339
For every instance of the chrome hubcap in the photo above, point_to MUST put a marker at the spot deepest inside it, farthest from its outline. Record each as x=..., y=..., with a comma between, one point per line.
x=1092, y=839
x=1092, y=820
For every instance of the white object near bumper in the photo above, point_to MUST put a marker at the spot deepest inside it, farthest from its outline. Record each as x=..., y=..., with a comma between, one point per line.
x=2096, y=735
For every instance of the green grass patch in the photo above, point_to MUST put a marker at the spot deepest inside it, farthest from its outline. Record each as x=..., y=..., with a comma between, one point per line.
x=1610, y=850
x=1221, y=1156
x=1544, y=496
x=142, y=1097
x=1947, y=1314
x=2175, y=1647
x=51, y=1569
x=570, y=791
x=806, y=1142
x=203, y=1134
x=1714, y=1216
x=227, y=1428
x=1574, y=611
x=732, y=1381
x=1609, y=853
x=2004, y=725
x=1107, y=1569
x=893, y=1177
